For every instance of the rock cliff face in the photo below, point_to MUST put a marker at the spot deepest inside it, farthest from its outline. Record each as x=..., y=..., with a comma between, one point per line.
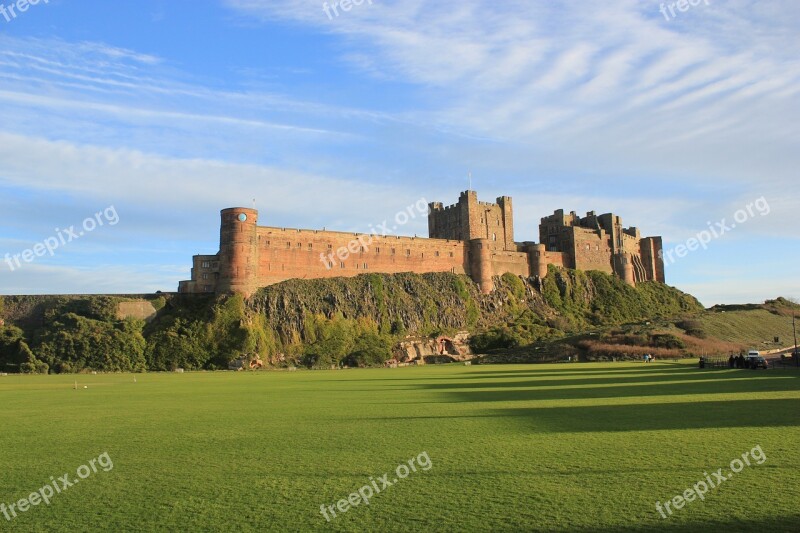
x=363, y=320
x=442, y=349
x=420, y=304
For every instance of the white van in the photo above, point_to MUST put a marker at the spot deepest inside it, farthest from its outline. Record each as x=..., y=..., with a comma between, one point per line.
x=754, y=360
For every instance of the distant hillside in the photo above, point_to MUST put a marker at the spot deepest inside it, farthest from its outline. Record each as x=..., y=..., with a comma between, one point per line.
x=753, y=325
x=319, y=323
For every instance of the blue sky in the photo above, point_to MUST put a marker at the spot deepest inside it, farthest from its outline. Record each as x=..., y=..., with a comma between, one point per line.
x=172, y=110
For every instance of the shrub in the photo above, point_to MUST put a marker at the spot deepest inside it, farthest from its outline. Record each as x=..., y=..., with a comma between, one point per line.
x=693, y=327
x=667, y=340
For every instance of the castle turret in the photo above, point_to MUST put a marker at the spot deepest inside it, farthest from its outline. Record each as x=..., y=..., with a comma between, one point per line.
x=238, y=250
x=625, y=268
x=480, y=251
x=537, y=259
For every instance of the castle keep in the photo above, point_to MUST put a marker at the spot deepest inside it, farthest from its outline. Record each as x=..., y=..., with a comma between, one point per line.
x=471, y=237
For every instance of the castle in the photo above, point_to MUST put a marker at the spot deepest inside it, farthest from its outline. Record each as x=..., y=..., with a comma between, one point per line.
x=471, y=237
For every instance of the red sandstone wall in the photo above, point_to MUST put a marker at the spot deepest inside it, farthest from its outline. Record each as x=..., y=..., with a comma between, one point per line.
x=291, y=253
x=592, y=251
x=514, y=262
x=555, y=259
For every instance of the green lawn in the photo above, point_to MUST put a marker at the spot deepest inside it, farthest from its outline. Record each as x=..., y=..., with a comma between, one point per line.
x=587, y=447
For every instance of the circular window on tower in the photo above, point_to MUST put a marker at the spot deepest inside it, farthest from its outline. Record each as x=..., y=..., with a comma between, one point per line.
x=242, y=217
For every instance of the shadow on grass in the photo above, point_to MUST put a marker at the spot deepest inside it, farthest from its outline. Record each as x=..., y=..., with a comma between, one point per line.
x=776, y=524
x=667, y=416
x=591, y=367
x=535, y=390
x=576, y=369
x=551, y=381
x=641, y=417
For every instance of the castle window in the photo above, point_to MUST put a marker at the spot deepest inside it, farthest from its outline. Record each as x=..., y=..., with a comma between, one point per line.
x=288, y=245
x=377, y=250
x=436, y=254
x=393, y=251
x=206, y=264
x=588, y=247
x=205, y=276
x=330, y=247
x=408, y=252
x=494, y=236
x=365, y=266
x=341, y=265
x=362, y=249
x=299, y=245
x=451, y=254
x=310, y=247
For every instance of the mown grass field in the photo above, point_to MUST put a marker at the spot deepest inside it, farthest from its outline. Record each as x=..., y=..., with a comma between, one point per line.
x=587, y=447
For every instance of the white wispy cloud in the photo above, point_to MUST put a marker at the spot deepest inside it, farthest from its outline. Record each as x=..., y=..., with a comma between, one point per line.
x=575, y=105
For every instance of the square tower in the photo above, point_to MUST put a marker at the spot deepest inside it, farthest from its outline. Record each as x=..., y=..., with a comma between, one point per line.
x=471, y=219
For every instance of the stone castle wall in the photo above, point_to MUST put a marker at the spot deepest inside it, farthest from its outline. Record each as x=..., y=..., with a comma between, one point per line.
x=295, y=253
x=471, y=237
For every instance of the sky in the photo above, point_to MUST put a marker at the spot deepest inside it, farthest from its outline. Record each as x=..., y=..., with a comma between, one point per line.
x=126, y=126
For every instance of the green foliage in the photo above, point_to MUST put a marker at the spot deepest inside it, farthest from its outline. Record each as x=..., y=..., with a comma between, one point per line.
x=515, y=285
x=321, y=323
x=551, y=291
x=379, y=293
x=328, y=341
x=102, y=308
x=692, y=327
x=461, y=288
x=73, y=343
x=16, y=355
x=595, y=298
x=473, y=313
x=178, y=344
x=398, y=327
x=337, y=341
x=29, y=364
x=370, y=349
x=207, y=335
x=667, y=340
x=524, y=330
x=158, y=303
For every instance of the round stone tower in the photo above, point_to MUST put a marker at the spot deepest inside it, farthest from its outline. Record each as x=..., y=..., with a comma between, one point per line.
x=238, y=251
x=625, y=261
x=537, y=258
x=480, y=252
